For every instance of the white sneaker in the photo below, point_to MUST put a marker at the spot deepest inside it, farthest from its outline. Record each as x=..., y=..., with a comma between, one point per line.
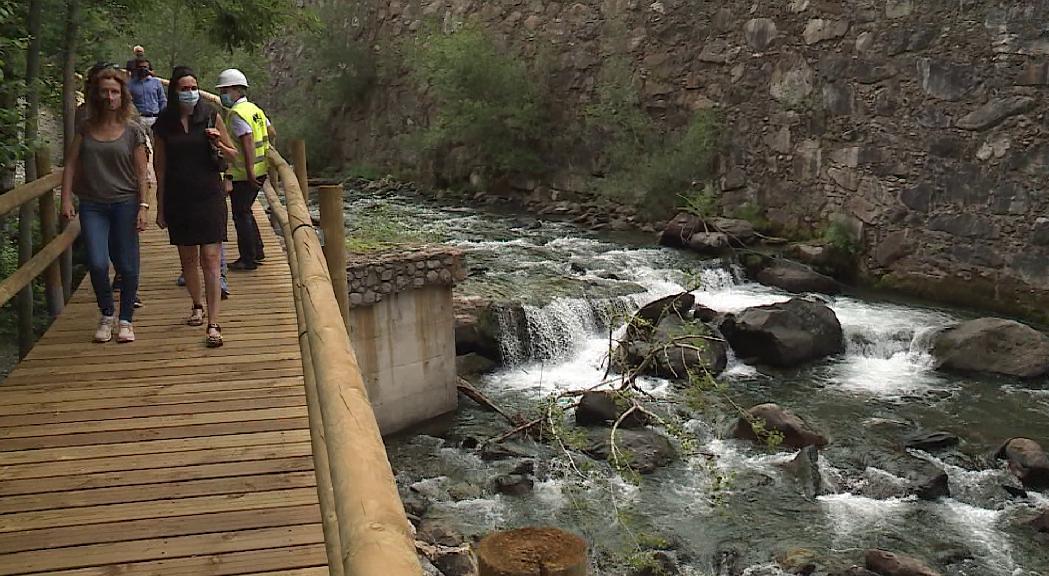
x=126, y=333
x=104, y=333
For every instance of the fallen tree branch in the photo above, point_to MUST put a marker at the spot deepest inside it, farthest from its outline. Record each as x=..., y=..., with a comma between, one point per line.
x=483, y=401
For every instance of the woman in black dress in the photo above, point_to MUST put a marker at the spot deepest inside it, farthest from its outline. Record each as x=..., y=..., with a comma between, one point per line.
x=190, y=145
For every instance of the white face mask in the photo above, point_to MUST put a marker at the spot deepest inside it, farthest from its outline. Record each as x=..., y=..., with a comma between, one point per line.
x=189, y=99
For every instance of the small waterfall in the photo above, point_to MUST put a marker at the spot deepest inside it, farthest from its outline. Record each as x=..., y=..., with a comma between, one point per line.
x=559, y=329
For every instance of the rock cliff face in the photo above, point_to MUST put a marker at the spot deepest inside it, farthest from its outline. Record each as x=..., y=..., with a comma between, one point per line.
x=920, y=124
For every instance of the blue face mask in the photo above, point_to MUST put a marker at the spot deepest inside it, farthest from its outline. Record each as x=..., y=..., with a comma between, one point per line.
x=189, y=98
x=227, y=100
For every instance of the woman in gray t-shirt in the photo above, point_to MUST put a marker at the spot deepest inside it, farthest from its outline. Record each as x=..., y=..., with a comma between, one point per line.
x=106, y=169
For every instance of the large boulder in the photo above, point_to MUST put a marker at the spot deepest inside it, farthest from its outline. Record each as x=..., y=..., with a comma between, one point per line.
x=805, y=468
x=677, y=232
x=599, y=408
x=888, y=563
x=930, y=441
x=677, y=348
x=796, y=277
x=650, y=314
x=772, y=418
x=786, y=333
x=993, y=345
x=1027, y=461
x=642, y=450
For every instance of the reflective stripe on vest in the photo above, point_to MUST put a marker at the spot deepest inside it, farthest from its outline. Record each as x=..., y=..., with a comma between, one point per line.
x=255, y=118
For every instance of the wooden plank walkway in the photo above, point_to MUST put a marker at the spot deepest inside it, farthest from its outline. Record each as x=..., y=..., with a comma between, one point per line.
x=163, y=456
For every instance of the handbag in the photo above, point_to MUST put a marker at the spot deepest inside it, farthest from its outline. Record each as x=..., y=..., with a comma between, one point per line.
x=221, y=164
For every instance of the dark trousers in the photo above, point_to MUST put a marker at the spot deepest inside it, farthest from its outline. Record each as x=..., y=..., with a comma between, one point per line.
x=249, y=241
x=109, y=233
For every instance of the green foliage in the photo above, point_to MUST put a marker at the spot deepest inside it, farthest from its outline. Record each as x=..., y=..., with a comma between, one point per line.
x=380, y=228
x=754, y=214
x=702, y=203
x=616, y=116
x=838, y=235
x=487, y=102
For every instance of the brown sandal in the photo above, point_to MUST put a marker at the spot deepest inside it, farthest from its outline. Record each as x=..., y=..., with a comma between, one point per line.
x=196, y=316
x=214, y=340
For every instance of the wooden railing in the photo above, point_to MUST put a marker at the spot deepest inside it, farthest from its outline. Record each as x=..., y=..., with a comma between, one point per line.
x=365, y=528
x=47, y=261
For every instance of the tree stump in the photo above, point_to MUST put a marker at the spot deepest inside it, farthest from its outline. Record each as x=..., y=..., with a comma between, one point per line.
x=532, y=552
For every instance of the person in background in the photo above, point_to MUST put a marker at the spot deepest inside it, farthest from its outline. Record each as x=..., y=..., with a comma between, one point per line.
x=106, y=169
x=191, y=201
x=147, y=93
x=252, y=132
x=139, y=53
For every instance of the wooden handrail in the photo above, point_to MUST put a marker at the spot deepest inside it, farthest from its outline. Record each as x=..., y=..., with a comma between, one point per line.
x=375, y=536
x=29, y=191
x=39, y=262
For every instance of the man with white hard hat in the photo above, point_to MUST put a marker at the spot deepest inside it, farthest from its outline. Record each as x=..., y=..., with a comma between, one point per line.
x=251, y=131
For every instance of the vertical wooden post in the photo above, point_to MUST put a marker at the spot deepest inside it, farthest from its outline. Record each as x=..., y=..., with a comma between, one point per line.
x=48, y=231
x=334, y=227
x=298, y=159
x=24, y=301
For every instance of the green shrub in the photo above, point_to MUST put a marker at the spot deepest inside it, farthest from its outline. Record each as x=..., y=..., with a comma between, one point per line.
x=753, y=213
x=837, y=234
x=486, y=102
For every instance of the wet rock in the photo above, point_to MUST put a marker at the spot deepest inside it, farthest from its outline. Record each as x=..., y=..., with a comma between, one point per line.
x=435, y=531
x=888, y=563
x=677, y=232
x=650, y=314
x=1027, y=461
x=456, y=564
x=929, y=482
x=796, y=432
x=994, y=112
x=678, y=348
x=944, y=80
x=798, y=561
x=760, y=33
x=502, y=451
x=599, y=408
x=993, y=345
x=930, y=441
x=818, y=30
x=786, y=333
x=472, y=364
x=708, y=242
x=1040, y=522
x=806, y=470
x=428, y=568
x=738, y=230
x=415, y=503
x=796, y=277
x=642, y=450
x=854, y=571
x=704, y=314
x=513, y=484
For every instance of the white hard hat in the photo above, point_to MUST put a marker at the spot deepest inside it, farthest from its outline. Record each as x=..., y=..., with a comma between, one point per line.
x=232, y=77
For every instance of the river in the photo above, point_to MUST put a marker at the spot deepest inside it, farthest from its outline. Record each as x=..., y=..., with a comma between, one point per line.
x=735, y=512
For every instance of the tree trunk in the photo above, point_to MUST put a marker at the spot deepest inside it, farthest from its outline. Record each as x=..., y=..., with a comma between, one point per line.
x=25, y=213
x=69, y=117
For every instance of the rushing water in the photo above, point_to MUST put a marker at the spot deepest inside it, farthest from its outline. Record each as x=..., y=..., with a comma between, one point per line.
x=579, y=286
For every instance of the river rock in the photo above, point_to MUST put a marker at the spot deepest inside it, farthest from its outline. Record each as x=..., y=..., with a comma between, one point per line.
x=513, y=484
x=679, y=348
x=1027, y=461
x=650, y=314
x=993, y=345
x=796, y=277
x=642, y=450
x=435, y=531
x=798, y=561
x=456, y=564
x=738, y=230
x=854, y=571
x=806, y=470
x=472, y=364
x=929, y=482
x=786, y=333
x=708, y=242
x=888, y=563
x=599, y=408
x=705, y=314
x=930, y=441
x=1040, y=522
x=680, y=229
x=796, y=432
x=660, y=563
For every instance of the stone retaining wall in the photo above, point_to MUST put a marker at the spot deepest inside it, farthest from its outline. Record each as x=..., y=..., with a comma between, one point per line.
x=371, y=277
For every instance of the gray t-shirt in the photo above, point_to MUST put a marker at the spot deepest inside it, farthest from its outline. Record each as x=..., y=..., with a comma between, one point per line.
x=107, y=169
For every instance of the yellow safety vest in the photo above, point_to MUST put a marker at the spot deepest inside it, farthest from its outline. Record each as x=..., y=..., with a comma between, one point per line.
x=255, y=118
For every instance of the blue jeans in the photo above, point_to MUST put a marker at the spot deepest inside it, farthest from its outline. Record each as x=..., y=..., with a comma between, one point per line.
x=110, y=233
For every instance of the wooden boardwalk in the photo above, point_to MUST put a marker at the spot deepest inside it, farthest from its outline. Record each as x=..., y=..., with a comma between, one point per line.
x=162, y=456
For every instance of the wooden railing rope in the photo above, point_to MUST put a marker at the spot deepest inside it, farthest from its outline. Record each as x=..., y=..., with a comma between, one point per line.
x=374, y=535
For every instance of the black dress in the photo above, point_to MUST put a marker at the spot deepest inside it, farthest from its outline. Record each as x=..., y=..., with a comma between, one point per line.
x=194, y=200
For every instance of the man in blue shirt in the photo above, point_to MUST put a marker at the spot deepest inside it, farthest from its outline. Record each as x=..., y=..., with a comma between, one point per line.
x=147, y=92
